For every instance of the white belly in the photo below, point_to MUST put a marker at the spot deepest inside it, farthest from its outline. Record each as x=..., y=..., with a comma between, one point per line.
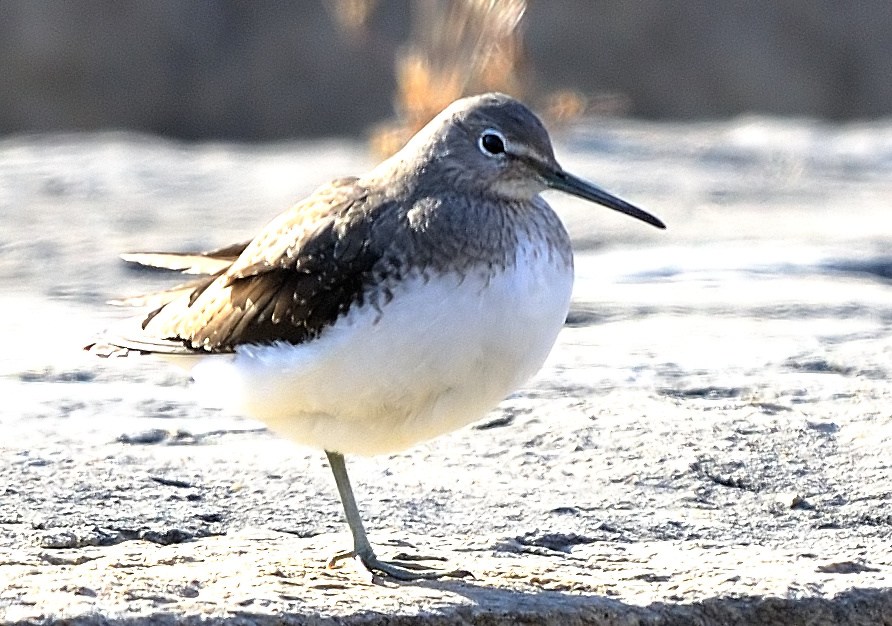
x=438, y=356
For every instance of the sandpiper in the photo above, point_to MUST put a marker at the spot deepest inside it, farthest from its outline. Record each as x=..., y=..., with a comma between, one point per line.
x=386, y=309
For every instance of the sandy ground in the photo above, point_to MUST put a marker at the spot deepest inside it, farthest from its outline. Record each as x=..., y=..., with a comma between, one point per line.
x=710, y=441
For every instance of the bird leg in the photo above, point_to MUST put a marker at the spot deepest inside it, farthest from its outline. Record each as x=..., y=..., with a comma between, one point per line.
x=398, y=569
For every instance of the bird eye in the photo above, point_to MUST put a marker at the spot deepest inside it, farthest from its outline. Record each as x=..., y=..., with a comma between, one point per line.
x=492, y=143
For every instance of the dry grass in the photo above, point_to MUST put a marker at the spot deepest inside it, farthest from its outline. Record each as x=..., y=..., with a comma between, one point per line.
x=458, y=48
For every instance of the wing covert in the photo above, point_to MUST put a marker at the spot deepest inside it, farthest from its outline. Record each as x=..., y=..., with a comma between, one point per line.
x=303, y=271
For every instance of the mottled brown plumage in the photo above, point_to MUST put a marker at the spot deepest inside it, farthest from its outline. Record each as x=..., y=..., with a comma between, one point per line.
x=291, y=281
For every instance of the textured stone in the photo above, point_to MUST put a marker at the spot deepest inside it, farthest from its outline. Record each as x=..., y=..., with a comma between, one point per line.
x=708, y=444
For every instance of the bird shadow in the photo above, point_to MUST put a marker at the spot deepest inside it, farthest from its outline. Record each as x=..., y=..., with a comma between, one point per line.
x=485, y=604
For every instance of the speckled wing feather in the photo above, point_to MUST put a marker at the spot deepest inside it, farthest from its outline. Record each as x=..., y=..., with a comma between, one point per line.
x=203, y=263
x=212, y=264
x=305, y=269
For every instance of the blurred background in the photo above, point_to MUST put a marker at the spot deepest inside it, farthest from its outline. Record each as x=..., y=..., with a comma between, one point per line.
x=247, y=70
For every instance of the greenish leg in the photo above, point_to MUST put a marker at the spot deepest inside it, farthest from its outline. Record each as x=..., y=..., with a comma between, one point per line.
x=401, y=570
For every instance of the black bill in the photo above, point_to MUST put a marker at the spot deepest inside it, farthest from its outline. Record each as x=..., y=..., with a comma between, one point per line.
x=562, y=181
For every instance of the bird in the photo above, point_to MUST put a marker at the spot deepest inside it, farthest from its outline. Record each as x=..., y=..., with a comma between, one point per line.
x=386, y=309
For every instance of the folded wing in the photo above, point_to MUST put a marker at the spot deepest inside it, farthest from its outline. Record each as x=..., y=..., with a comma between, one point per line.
x=304, y=270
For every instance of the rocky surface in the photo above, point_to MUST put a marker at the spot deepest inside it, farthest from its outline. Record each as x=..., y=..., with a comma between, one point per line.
x=710, y=442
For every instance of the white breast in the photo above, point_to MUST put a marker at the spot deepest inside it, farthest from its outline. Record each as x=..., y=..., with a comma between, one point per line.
x=436, y=357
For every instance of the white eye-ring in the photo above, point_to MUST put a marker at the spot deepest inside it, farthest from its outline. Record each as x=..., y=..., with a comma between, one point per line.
x=491, y=142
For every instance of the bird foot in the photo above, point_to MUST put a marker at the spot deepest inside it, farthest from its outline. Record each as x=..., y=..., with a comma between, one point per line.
x=403, y=567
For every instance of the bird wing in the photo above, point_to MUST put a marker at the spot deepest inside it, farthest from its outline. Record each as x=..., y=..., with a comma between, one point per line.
x=204, y=263
x=303, y=270
x=212, y=263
